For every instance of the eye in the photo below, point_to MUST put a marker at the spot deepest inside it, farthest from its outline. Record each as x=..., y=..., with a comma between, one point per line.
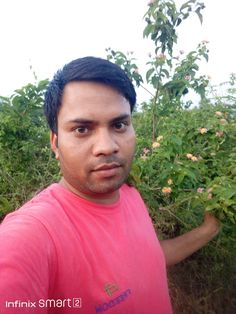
x=120, y=126
x=82, y=130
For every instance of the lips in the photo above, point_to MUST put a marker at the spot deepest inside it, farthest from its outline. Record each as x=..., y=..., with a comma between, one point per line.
x=107, y=170
x=107, y=166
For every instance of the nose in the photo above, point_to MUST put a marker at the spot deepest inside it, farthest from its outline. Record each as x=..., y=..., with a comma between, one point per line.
x=105, y=144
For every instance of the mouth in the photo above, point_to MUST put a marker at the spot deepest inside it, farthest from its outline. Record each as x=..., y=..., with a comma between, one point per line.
x=107, y=166
x=107, y=169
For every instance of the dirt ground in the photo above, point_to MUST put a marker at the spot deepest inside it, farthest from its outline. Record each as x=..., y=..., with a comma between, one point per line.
x=194, y=290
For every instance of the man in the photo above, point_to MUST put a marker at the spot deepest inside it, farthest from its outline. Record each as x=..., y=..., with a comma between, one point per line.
x=87, y=244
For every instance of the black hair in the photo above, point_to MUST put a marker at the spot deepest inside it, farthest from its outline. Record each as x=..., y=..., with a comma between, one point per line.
x=85, y=69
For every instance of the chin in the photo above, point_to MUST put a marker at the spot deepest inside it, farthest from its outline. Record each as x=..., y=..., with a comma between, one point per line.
x=106, y=188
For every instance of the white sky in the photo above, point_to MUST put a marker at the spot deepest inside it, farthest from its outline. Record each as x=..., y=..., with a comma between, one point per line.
x=49, y=33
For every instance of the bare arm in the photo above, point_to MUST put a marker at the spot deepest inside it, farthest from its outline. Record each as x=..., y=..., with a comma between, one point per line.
x=177, y=249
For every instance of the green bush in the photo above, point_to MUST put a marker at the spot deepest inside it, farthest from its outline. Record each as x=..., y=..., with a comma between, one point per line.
x=26, y=162
x=190, y=167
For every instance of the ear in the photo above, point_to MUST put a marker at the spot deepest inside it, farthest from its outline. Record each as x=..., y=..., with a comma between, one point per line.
x=54, y=144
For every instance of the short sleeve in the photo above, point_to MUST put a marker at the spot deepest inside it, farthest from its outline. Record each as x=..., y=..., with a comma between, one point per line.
x=27, y=264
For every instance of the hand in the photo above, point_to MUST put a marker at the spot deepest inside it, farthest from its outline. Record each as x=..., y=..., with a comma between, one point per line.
x=211, y=224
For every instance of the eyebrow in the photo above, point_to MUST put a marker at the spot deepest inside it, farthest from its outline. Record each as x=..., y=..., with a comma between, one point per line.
x=88, y=121
x=121, y=117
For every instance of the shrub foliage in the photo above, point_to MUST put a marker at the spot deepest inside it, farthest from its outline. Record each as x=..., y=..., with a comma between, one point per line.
x=26, y=162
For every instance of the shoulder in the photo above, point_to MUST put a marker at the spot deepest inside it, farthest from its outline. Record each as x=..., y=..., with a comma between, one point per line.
x=27, y=231
x=24, y=239
x=132, y=198
x=32, y=215
x=131, y=192
x=44, y=204
x=28, y=256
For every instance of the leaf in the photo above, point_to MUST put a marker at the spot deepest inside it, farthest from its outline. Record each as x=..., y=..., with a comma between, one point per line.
x=149, y=73
x=191, y=175
x=199, y=14
x=186, y=5
x=165, y=72
x=195, y=67
x=228, y=193
x=122, y=55
x=155, y=80
x=135, y=174
x=148, y=30
x=176, y=140
x=180, y=178
x=178, y=21
x=212, y=206
x=205, y=55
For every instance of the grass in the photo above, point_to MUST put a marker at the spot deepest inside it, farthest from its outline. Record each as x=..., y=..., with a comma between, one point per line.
x=198, y=286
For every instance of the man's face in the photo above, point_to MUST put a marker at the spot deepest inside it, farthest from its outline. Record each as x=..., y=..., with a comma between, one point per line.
x=95, y=142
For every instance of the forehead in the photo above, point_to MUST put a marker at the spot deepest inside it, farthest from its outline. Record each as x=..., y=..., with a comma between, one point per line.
x=92, y=100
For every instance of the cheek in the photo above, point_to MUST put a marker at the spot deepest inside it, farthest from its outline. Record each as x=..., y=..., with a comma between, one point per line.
x=72, y=154
x=132, y=138
x=130, y=144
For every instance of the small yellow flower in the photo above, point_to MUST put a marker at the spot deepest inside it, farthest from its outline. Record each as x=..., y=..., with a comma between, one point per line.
x=143, y=157
x=203, y=130
x=166, y=190
x=189, y=156
x=209, y=196
x=194, y=158
x=170, y=181
x=156, y=145
x=159, y=138
x=219, y=134
x=223, y=121
x=218, y=113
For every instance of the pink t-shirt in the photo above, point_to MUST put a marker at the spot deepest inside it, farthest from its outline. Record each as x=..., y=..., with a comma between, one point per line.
x=60, y=253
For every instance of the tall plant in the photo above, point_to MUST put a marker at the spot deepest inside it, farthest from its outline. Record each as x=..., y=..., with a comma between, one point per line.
x=168, y=77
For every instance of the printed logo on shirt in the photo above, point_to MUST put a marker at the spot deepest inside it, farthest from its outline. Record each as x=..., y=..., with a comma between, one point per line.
x=115, y=301
x=110, y=288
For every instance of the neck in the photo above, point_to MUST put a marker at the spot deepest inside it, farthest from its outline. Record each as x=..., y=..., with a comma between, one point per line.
x=103, y=198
